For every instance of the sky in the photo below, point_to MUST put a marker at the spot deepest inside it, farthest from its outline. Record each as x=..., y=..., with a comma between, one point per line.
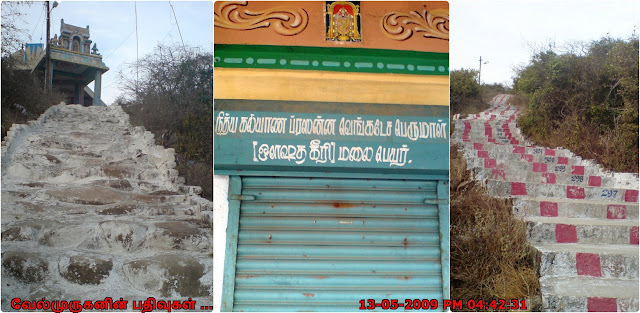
x=504, y=32
x=112, y=27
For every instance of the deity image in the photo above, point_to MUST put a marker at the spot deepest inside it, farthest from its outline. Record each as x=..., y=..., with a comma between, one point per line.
x=343, y=21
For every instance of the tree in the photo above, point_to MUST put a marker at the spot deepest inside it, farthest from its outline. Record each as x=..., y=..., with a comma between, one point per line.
x=173, y=98
x=12, y=35
x=464, y=89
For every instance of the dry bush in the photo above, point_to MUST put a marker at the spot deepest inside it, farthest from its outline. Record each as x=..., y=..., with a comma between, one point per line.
x=489, y=250
x=198, y=174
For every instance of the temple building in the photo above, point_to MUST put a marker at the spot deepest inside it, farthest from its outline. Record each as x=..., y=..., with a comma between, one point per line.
x=75, y=64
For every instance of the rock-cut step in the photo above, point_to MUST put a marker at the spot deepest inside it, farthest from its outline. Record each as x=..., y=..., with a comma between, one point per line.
x=592, y=260
x=538, y=173
x=589, y=294
x=581, y=230
x=576, y=208
x=519, y=189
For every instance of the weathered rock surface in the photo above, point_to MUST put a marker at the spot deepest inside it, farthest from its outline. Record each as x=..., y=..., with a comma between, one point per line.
x=582, y=220
x=92, y=208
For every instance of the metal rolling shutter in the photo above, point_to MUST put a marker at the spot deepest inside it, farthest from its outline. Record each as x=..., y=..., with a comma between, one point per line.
x=318, y=244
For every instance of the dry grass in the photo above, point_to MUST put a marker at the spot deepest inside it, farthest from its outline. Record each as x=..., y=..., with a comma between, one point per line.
x=489, y=252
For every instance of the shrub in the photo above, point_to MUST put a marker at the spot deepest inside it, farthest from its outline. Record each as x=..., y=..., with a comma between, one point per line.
x=586, y=102
x=465, y=93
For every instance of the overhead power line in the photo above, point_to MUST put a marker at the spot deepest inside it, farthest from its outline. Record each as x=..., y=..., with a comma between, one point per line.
x=176, y=18
x=33, y=32
x=137, y=71
x=120, y=45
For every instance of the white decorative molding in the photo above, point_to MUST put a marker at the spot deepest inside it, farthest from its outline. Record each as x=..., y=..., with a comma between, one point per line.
x=287, y=21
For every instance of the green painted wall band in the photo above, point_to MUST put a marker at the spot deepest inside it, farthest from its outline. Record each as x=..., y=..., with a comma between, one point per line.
x=331, y=59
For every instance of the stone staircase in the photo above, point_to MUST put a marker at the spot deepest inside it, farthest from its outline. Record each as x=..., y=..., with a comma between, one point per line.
x=92, y=208
x=582, y=220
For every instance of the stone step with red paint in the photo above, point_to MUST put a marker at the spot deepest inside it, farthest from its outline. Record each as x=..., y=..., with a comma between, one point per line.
x=589, y=294
x=534, y=167
x=575, y=209
x=490, y=169
x=516, y=189
x=611, y=261
x=534, y=158
x=523, y=149
x=544, y=230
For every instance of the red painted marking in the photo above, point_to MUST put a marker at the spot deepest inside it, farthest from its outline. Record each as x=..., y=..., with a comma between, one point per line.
x=577, y=170
x=489, y=163
x=483, y=154
x=551, y=178
x=495, y=173
x=549, y=152
x=539, y=167
x=575, y=192
x=595, y=181
x=563, y=160
x=633, y=235
x=514, y=141
x=616, y=212
x=566, y=233
x=601, y=305
x=477, y=146
x=528, y=157
x=517, y=149
x=588, y=264
x=548, y=208
x=518, y=189
x=631, y=195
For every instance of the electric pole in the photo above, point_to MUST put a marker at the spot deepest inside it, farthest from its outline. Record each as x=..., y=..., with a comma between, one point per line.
x=479, y=70
x=47, y=78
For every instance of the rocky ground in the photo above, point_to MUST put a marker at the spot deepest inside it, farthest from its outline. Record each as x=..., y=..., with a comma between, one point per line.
x=92, y=208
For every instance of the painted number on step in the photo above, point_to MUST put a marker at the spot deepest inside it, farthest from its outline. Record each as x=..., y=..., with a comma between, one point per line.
x=609, y=193
x=577, y=178
x=537, y=151
x=549, y=159
x=561, y=168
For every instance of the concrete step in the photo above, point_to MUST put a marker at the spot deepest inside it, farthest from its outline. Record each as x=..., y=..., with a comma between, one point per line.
x=533, y=190
x=589, y=294
x=572, y=260
x=515, y=156
x=493, y=169
x=575, y=209
x=508, y=148
x=550, y=230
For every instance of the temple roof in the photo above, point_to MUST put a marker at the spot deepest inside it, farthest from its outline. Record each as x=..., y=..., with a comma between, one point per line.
x=70, y=29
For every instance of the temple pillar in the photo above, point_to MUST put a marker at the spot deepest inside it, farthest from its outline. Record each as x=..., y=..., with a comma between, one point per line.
x=97, y=92
x=80, y=93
